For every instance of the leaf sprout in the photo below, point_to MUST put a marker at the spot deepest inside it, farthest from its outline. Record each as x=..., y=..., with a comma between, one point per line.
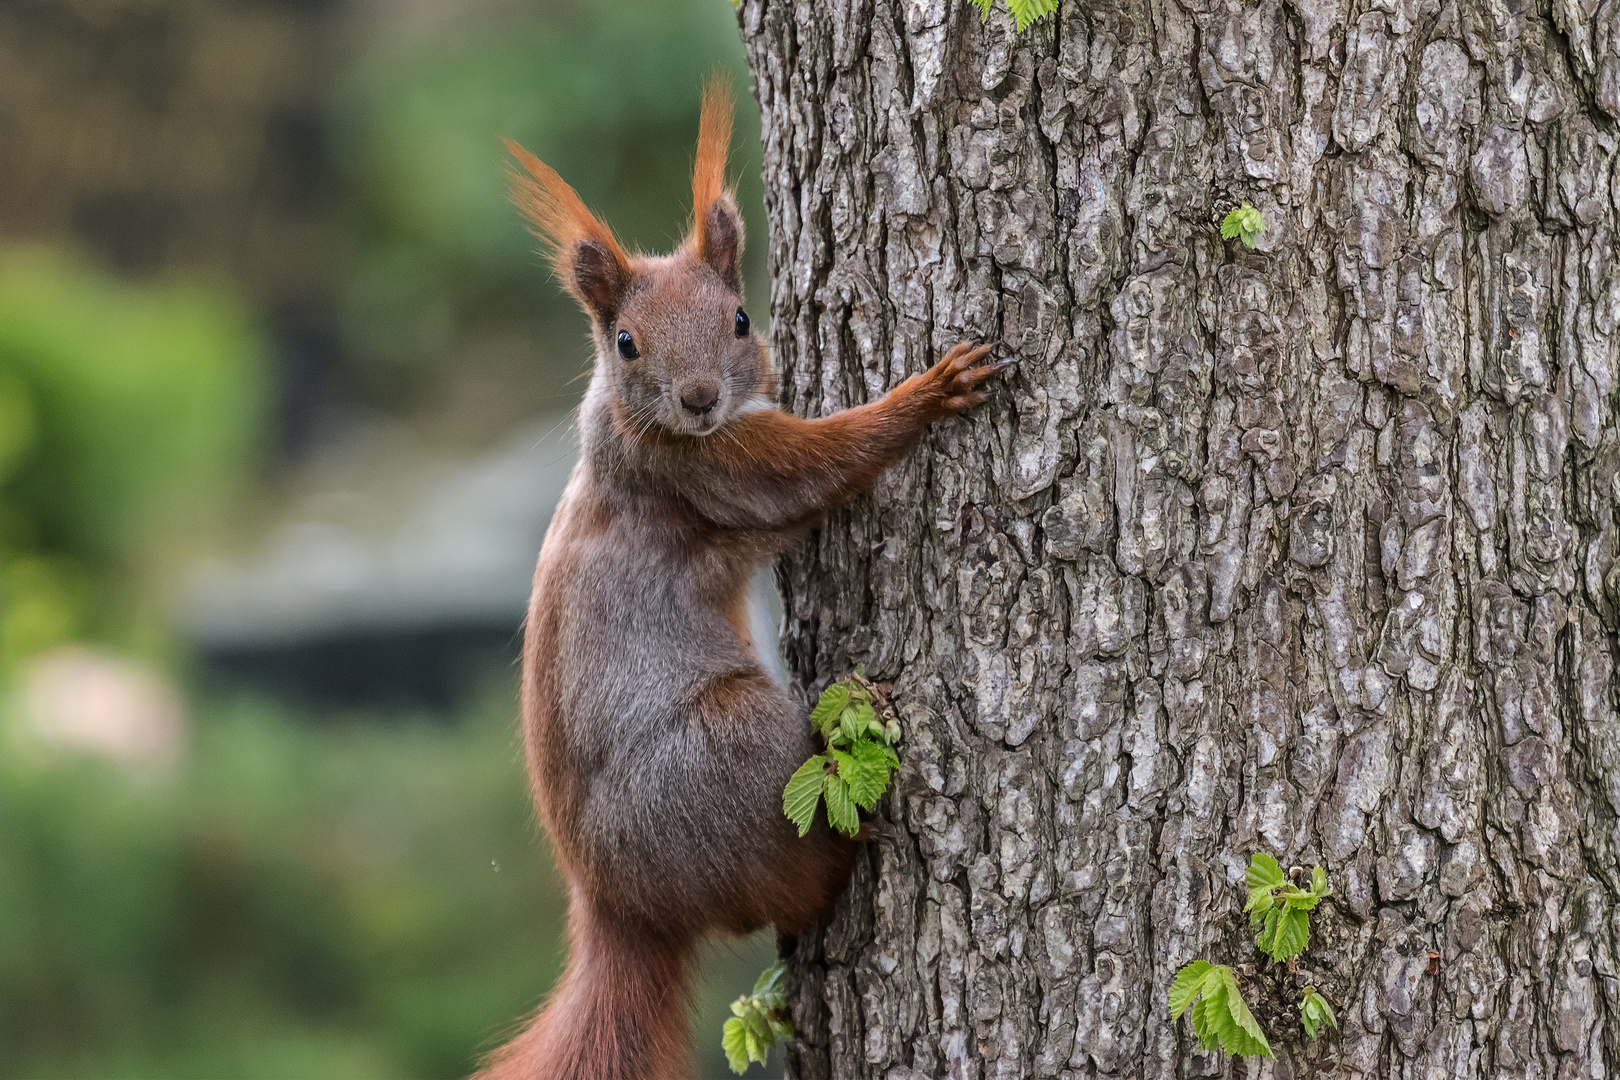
x=1244, y=223
x=758, y=1021
x=1282, y=910
x=854, y=772
x=1023, y=12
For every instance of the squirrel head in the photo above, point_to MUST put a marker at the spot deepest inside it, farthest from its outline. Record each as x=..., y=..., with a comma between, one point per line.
x=670, y=330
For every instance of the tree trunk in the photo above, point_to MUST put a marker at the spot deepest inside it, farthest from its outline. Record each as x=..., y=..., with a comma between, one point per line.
x=1308, y=550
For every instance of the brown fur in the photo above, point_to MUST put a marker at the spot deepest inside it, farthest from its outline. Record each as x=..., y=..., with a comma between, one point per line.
x=657, y=744
x=714, y=143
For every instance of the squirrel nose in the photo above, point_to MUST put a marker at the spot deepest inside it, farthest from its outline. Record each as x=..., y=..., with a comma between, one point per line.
x=701, y=398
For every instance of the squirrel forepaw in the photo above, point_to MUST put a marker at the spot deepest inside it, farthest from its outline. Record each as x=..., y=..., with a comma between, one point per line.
x=962, y=371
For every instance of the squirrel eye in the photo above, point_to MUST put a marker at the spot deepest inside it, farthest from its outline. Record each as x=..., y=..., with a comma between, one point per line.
x=627, y=346
x=742, y=323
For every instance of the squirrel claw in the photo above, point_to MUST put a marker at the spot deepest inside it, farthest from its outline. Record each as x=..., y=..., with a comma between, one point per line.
x=869, y=833
x=975, y=376
x=964, y=355
x=964, y=402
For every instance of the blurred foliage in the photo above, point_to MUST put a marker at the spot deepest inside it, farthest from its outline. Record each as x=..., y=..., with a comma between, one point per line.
x=605, y=93
x=128, y=415
x=354, y=900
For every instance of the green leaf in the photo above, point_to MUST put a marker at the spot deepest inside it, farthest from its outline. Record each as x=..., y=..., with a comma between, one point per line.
x=1314, y=1011
x=1203, y=1010
x=866, y=783
x=1188, y=982
x=1220, y=1016
x=869, y=778
x=1281, y=907
x=1252, y=1040
x=1244, y=224
x=1263, y=942
x=841, y=813
x=803, y=791
x=769, y=986
x=1262, y=877
x=1264, y=873
x=850, y=726
x=861, y=726
x=1241, y=1043
x=1308, y=1019
x=984, y=9
x=875, y=753
x=734, y=1041
x=879, y=751
x=1298, y=900
x=1025, y=12
x=1292, y=934
x=1325, y=1010
x=829, y=707
x=758, y=1023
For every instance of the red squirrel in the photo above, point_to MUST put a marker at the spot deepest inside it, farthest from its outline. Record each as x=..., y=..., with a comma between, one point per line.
x=657, y=743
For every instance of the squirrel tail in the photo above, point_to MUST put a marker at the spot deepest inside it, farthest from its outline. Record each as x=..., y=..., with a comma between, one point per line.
x=620, y=1011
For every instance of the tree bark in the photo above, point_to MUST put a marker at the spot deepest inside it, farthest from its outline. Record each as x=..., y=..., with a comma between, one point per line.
x=1308, y=550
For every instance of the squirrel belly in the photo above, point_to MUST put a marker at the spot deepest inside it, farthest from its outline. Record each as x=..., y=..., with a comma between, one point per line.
x=658, y=743
x=657, y=736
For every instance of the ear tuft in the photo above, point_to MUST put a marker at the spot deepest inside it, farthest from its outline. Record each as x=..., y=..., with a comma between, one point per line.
x=714, y=142
x=717, y=235
x=584, y=253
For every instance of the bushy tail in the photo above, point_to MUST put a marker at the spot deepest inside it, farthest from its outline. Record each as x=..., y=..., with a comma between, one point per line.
x=619, y=1013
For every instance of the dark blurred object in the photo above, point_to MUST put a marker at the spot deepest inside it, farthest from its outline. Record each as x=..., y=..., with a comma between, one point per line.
x=305, y=342
x=173, y=135
x=184, y=137
x=411, y=669
x=398, y=578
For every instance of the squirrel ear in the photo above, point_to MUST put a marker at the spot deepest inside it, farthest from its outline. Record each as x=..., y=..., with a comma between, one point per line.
x=722, y=243
x=599, y=280
x=717, y=232
x=584, y=254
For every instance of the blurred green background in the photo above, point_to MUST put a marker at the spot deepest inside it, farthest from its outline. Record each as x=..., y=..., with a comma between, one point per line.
x=283, y=398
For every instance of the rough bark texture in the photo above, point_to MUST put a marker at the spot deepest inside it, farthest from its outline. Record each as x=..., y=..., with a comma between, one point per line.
x=1309, y=550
